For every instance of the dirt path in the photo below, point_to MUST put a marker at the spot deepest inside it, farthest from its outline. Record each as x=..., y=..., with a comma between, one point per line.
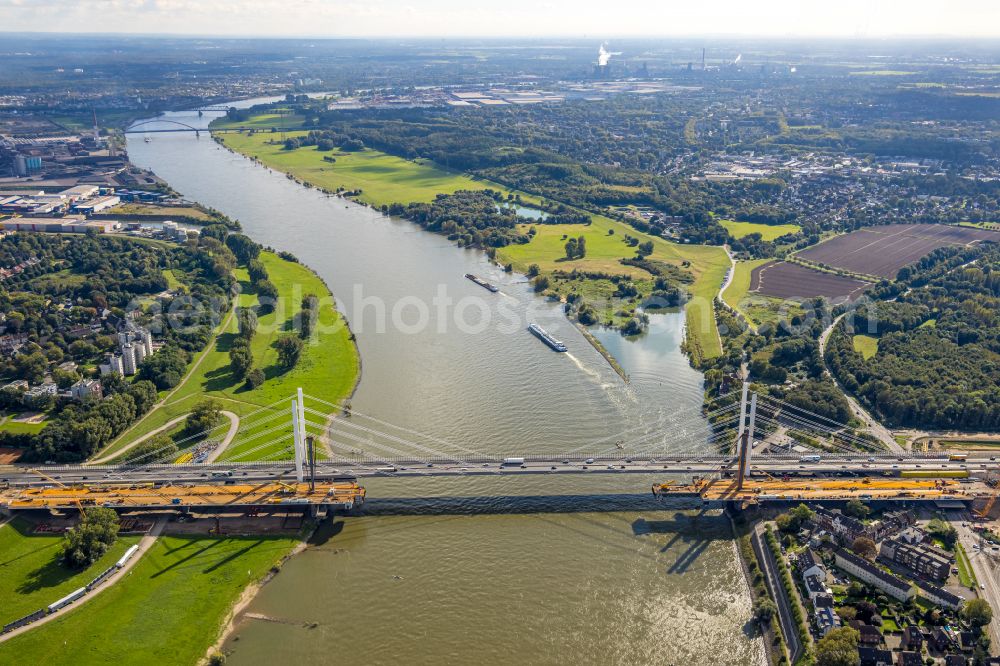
x=145, y=543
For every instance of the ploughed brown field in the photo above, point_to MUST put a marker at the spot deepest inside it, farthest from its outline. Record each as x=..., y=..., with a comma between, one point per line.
x=781, y=279
x=884, y=250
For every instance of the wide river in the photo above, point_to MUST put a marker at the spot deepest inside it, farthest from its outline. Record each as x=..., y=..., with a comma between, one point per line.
x=539, y=570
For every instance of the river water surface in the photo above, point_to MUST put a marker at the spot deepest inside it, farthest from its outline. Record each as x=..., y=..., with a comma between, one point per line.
x=506, y=570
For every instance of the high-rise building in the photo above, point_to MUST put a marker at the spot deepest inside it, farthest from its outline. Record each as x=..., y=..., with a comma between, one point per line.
x=128, y=359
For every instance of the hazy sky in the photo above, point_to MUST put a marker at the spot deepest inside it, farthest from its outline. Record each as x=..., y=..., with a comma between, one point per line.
x=576, y=18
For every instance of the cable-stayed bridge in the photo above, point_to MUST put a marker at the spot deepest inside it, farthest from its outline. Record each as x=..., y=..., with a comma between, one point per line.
x=305, y=450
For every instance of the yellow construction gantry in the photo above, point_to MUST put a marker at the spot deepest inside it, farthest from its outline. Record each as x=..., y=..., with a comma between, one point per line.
x=865, y=488
x=145, y=496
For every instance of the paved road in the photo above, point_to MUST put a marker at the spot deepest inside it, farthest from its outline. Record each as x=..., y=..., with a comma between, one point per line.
x=234, y=426
x=145, y=543
x=829, y=465
x=772, y=576
x=985, y=569
x=873, y=426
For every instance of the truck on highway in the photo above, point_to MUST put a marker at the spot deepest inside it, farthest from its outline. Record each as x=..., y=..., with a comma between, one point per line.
x=958, y=457
x=813, y=458
x=513, y=461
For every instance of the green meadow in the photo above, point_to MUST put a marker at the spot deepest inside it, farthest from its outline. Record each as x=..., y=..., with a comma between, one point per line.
x=168, y=610
x=328, y=368
x=865, y=345
x=31, y=575
x=768, y=232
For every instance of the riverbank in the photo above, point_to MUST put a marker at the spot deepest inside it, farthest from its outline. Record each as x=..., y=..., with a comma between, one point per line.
x=170, y=606
x=329, y=366
x=251, y=591
x=376, y=179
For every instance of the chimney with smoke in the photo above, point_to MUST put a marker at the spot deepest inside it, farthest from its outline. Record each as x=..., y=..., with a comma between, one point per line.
x=603, y=59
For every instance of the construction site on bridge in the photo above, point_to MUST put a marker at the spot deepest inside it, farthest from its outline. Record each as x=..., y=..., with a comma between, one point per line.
x=341, y=495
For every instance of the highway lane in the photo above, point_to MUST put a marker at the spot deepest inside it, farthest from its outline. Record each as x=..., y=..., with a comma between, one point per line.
x=983, y=565
x=671, y=465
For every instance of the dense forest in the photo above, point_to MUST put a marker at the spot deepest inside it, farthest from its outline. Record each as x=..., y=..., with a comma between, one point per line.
x=938, y=358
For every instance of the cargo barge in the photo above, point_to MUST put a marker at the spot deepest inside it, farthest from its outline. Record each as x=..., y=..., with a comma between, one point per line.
x=482, y=283
x=544, y=336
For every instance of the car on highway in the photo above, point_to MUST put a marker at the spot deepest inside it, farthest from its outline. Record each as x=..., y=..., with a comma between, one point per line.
x=588, y=461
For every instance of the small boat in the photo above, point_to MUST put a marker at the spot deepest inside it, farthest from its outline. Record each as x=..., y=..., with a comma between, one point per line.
x=148, y=139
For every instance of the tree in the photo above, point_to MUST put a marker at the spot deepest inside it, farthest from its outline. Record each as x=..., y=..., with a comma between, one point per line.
x=255, y=378
x=152, y=449
x=247, y=320
x=88, y=540
x=792, y=520
x=977, y=612
x=581, y=247
x=838, y=648
x=857, y=508
x=864, y=547
x=763, y=610
x=533, y=270
x=943, y=531
x=571, y=248
x=240, y=361
x=541, y=283
x=289, y=349
x=203, y=417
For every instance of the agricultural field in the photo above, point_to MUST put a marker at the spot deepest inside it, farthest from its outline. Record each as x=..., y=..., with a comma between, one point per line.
x=781, y=279
x=768, y=232
x=168, y=610
x=882, y=251
x=865, y=345
x=31, y=576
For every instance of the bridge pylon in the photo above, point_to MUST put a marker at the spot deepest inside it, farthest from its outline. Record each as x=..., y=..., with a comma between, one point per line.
x=744, y=439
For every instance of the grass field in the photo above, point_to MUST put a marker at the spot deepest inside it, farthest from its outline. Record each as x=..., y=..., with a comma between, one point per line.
x=740, y=284
x=168, y=610
x=382, y=178
x=7, y=424
x=767, y=232
x=139, y=209
x=866, y=345
x=31, y=576
x=263, y=121
x=966, y=576
x=328, y=368
x=707, y=264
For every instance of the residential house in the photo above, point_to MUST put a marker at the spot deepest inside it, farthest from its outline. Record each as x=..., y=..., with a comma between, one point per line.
x=869, y=636
x=909, y=659
x=874, y=657
x=912, y=639
x=815, y=586
x=955, y=660
x=86, y=388
x=811, y=565
x=940, y=596
x=826, y=620
x=865, y=571
x=917, y=557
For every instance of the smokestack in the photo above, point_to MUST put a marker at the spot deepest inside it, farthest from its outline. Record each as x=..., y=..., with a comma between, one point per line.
x=703, y=60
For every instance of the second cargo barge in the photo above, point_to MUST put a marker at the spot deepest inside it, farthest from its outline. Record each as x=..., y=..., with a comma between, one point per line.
x=482, y=283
